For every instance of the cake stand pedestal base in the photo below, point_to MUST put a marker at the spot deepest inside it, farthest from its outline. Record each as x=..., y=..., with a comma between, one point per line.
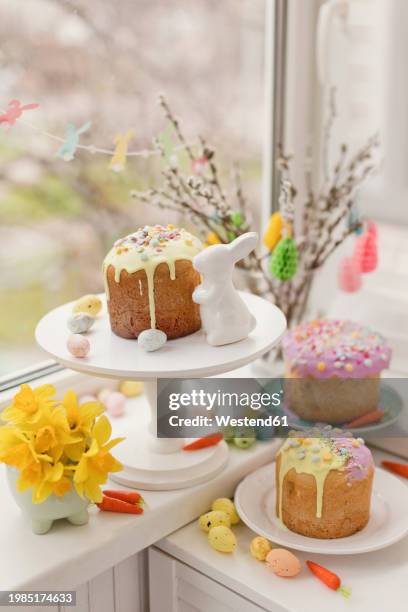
x=153, y=463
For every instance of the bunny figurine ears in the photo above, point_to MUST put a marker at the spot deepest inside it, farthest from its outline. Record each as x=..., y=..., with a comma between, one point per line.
x=224, y=315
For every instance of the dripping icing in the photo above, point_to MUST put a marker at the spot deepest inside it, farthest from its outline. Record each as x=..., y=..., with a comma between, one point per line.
x=145, y=250
x=289, y=458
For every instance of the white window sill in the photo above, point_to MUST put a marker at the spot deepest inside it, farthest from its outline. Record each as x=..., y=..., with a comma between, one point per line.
x=69, y=556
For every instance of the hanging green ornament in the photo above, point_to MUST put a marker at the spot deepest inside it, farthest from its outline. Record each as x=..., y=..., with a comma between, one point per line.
x=284, y=260
x=237, y=218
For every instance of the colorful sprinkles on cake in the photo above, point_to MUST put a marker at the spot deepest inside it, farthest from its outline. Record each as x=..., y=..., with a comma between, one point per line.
x=319, y=451
x=147, y=248
x=327, y=348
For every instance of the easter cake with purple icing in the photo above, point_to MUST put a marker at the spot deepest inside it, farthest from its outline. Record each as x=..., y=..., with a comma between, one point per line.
x=332, y=369
x=324, y=485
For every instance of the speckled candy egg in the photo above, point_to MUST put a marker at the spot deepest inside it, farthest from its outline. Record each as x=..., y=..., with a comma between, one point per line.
x=226, y=505
x=151, y=339
x=283, y=563
x=90, y=304
x=115, y=404
x=222, y=539
x=242, y=442
x=80, y=323
x=214, y=519
x=259, y=548
x=131, y=388
x=78, y=346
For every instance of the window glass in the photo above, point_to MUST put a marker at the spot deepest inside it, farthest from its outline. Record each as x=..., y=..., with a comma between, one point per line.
x=106, y=62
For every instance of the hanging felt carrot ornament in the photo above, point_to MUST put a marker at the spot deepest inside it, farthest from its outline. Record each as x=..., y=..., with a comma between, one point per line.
x=328, y=578
x=284, y=260
x=349, y=277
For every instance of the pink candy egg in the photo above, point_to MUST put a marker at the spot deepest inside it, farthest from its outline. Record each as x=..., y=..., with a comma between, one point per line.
x=78, y=346
x=104, y=394
x=283, y=563
x=115, y=404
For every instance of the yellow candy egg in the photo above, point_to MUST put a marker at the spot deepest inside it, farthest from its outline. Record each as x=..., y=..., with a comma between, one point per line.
x=259, y=548
x=222, y=539
x=131, y=388
x=283, y=563
x=213, y=519
x=226, y=505
x=90, y=304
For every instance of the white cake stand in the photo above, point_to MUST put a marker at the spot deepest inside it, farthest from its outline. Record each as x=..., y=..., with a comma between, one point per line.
x=151, y=462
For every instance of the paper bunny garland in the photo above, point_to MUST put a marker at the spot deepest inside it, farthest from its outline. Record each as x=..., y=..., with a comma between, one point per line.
x=224, y=315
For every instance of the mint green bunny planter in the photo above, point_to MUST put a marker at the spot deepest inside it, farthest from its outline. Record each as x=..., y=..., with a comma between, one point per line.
x=42, y=516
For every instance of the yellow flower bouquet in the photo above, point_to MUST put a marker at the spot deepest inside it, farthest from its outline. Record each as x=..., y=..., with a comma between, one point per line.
x=58, y=448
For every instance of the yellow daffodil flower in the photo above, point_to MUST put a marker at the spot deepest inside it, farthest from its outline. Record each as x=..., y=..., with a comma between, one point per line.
x=44, y=479
x=81, y=419
x=16, y=448
x=28, y=405
x=55, y=444
x=97, y=462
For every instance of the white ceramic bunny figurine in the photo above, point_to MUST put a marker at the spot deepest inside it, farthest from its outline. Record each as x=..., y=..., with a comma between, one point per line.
x=224, y=315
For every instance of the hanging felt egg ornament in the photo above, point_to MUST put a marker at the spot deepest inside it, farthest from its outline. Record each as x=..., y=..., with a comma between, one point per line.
x=372, y=229
x=212, y=238
x=273, y=231
x=284, y=260
x=349, y=277
x=354, y=220
x=365, y=253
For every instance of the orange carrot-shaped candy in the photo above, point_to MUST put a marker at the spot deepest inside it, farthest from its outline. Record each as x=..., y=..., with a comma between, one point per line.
x=110, y=504
x=328, y=578
x=367, y=419
x=131, y=497
x=209, y=440
x=398, y=468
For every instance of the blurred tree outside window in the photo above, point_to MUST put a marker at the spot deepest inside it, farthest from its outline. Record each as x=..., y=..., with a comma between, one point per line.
x=106, y=62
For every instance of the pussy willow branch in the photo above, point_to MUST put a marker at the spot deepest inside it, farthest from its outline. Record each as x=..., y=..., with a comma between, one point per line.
x=203, y=198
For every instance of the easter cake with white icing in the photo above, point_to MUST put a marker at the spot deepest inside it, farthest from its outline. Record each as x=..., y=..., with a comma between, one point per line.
x=324, y=485
x=332, y=369
x=149, y=281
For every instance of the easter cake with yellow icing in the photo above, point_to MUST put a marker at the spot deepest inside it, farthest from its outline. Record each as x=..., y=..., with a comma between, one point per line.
x=324, y=485
x=149, y=281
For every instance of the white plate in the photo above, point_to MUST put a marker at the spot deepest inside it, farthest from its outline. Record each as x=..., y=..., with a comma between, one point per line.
x=255, y=502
